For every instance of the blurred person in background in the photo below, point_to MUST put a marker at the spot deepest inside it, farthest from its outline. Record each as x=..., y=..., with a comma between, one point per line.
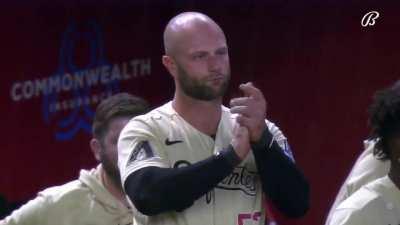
x=96, y=197
x=378, y=202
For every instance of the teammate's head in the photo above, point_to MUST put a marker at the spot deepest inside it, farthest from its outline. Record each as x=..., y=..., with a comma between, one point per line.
x=384, y=118
x=196, y=55
x=112, y=114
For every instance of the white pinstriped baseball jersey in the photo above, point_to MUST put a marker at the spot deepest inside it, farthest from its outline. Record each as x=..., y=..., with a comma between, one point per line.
x=366, y=169
x=378, y=202
x=164, y=139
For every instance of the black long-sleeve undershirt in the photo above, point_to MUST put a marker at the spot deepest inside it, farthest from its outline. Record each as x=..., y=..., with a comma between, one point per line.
x=282, y=181
x=156, y=190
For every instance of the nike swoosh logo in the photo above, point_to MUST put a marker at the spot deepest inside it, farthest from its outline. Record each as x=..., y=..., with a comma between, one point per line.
x=168, y=142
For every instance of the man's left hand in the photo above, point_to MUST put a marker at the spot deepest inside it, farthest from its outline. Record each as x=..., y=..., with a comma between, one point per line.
x=251, y=110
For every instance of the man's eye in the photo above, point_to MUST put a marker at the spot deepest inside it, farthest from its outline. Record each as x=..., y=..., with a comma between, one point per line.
x=199, y=56
x=222, y=52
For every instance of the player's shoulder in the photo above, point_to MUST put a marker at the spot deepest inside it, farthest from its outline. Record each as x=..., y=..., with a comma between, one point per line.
x=162, y=113
x=151, y=121
x=365, y=206
x=347, y=216
x=72, y=191
x=367, y=168
x=366, y=197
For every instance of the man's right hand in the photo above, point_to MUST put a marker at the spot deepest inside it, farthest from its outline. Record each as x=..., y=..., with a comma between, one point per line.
x=240, y=140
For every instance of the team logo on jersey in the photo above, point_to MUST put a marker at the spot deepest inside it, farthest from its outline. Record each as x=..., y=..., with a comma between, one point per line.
x=142, y=151
x=240, y=179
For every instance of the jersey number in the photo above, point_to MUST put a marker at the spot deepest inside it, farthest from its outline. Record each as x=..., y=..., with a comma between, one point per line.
x=242, y=217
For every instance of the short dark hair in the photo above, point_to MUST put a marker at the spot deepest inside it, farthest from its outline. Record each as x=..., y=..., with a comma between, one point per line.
x=384, y=119
x=118, y=105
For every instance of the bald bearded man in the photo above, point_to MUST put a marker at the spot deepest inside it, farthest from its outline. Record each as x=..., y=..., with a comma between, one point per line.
x=193, y=161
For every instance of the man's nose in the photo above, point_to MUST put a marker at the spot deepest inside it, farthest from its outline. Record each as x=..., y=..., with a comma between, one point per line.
x=214, y=63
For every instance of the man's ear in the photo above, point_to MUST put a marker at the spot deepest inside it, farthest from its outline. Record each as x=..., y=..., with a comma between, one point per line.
x=95, y=146
x=169, y=64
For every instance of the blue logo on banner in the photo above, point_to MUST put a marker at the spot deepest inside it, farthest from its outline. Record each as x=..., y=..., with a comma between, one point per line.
x=70, y=105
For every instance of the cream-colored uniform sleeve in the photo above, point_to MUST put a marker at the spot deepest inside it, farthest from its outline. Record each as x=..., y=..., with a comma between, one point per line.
x=30, y=213
x=366, y=169
x=365, y=207
x=139, y=146
x=347, y=217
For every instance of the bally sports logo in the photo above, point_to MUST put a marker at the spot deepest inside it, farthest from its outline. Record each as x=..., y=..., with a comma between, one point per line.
x=70, y=94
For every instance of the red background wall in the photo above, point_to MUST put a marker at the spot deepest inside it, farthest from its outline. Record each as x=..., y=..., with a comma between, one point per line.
x=315, y=63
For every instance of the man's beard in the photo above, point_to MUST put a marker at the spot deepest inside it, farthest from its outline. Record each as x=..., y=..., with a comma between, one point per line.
x=198, y=89
x=111, y=169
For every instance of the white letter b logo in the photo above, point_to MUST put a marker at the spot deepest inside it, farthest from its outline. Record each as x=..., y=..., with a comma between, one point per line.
x=369, y=18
